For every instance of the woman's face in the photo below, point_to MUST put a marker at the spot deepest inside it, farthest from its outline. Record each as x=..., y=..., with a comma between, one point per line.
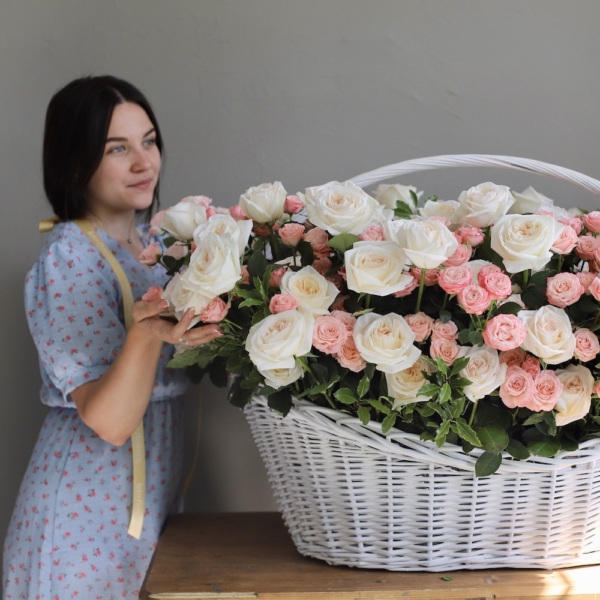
x=128, y=172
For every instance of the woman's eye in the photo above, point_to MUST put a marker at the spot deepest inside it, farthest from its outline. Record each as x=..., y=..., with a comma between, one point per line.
x=116, y=149
x=150, y=142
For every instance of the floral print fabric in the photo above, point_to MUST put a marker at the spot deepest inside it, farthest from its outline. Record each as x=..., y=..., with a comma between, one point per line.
x=67, y=537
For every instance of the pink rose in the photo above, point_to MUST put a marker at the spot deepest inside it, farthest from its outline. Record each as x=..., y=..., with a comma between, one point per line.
x=291, y=234
x=282, y=302
x=346, y=318
x=474, y=299
x=446, y=331
x=149, y=255
x=245, y=280
x=329, y=334
x=215, y=311
x=276, y=276
x=587, y=345
x=322, y=265
x=292, y=204
x=153, y=294
x=204, y=201
x=454, y=279
x=420, y=324
x=531, y=364
x=237, y=213
x=497, y=283
x=318, y=239
x=548, y=388
x=177, y=250
x=431, y=275
x=513, y=357
x=349, y=357
x=155, y=221
x=460, y=256
x=594, y=288
x=587, y=246
x=592, y=221
x=411, y=287
x=575, y=223
x=473, y=236
x=586, y=278
x=447, y=350
x=504, y=332
x=518, y=388
x=373, y=233
x=564, y=289
x=566, y=241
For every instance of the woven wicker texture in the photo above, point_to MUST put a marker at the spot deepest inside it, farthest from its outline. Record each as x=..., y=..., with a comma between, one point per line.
x=351, y=496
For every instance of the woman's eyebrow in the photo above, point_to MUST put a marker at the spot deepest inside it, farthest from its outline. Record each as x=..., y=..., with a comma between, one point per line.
x=124, y=139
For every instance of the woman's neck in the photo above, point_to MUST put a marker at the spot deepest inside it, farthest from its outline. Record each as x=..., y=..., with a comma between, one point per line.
x=121, y=228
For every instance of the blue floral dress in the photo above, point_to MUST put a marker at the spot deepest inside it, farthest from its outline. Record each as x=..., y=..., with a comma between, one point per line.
x=67, y=537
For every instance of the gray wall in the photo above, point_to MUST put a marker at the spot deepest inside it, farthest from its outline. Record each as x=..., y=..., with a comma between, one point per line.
x=250, y=91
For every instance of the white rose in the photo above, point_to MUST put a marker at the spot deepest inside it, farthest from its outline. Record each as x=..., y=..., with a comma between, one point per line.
x=182, y=298
x=529, y=201
x=524, y=241
x=484, y=370
x=427, y=243
x=549, y=334
x=264, y=203
x=386, y=341
x=313, y=292
x=214, y=266
x=274, y=342
x=448, y=209
x=277, y=378
x=182, y=219
x=484, y=204
x=404, y=385
x=576, y=398
x=221, y=224
x=390, y=194
x=340, y=207
x=376, y=268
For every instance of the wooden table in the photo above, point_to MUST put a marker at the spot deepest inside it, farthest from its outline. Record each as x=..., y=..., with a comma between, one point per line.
x=250, y=555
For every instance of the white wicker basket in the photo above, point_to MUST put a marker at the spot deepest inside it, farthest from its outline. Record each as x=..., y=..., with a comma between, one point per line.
x=353, y=496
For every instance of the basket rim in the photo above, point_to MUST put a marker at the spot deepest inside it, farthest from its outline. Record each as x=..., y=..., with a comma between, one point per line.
x=402, y=444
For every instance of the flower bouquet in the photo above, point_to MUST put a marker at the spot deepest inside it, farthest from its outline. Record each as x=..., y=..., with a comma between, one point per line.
x=469, y=324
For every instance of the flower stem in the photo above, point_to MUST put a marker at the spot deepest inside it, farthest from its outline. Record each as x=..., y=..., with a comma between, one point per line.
x=472, y=417
x=421, y=287
x=526, y=273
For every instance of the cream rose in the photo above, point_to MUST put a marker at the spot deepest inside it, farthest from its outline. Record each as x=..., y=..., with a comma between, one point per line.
x=277, y=378
x=376, y=268
x=484, y=370
x=274, y=342
x=214, y=266
x=529, y=201
x=448, y=209
x=181, y=298
x=404, y=385
x=524, y=241
x=264, y=203
x=313, y=292
x=225, y=224
x=390, y=194
x=182, y=219
x=575, y=399
x=427, y=243
x=484, y=204
x=340, y=207
x=549, y=335
x=386, y=341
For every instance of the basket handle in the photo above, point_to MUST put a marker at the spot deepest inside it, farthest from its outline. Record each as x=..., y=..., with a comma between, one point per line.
x=477, y=160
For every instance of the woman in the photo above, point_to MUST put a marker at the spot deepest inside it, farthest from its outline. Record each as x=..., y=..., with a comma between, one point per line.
x=68, y=534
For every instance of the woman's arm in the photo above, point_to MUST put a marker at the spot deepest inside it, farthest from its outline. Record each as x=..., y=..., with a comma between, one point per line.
x=114, y=404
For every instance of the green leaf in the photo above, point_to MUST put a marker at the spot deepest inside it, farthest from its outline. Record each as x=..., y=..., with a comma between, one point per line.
x=363, y=386
x=466, y=432
x=445, y=393
x=441, y=433
x=546, y=447
x=364, y=414
x=428, y=389
x=493, y=438
x=487, y=464
x=343, y=242
x=251, y=302
x=475, y=338
x=459, y=364
x=517, y=450
x=257, y=264
x=281, y=401
x=345, y=396
x=508, y=308
x=377, y=405
x=184, y=359
x=388, y=422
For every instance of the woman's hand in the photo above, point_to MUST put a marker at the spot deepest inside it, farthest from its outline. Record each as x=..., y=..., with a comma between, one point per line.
x=146, y=316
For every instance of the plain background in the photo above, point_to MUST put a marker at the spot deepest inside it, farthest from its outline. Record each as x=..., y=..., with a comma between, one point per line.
x=250, y=91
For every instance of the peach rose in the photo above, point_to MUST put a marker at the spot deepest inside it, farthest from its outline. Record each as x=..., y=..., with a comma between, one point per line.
x=431, y=275
x=237, y=213
x=473, y=236
x=446, y=349
x=446, y=331
x=585, y=278
x=587, y=345
x=504, y=332
x=346, y=318
x=575, y=223
x=454, y=279
x=373, y=233
x=329, y=334
x=461, y=255
x=215, y=311
x=592, y=221
x=318, y=239
x=474, y=299
x=594, y=288
x=149, y=255
x=497, y=283
x=292, y=204
x=566, y=241
x=282, y=302
x=153, y=294
x=531, y=364
x=518, y=388
x=587, y=246
x=421, y=325
x=513, y=357
x=548, y=389
x=291, y=234
x=564, y=289
x=349, y=357
x=245, y=280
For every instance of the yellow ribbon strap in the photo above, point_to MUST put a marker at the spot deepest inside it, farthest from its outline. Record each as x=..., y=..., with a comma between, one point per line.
x=46, y=225
x=138, y=504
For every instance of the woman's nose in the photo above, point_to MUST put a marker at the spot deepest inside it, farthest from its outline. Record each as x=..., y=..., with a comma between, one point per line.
x=140, y=160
